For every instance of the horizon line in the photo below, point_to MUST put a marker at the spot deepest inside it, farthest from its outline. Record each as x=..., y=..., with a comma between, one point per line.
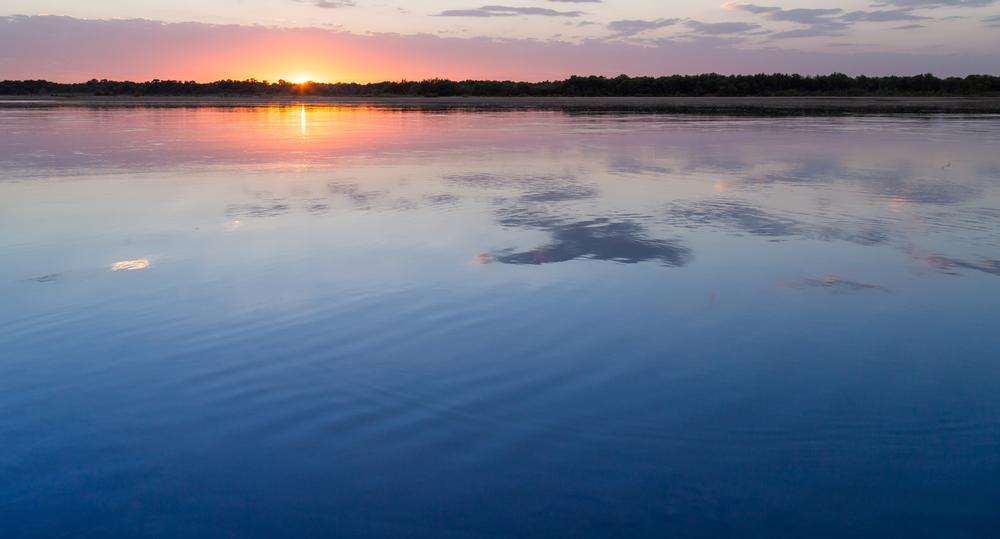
x=282, y=81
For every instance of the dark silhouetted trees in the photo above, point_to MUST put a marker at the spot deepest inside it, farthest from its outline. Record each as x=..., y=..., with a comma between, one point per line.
x=837, y=84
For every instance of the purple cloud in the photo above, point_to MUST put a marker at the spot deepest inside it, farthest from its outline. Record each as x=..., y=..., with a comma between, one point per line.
x=915, y=4
x=329, y=4
x=836, y=22
x=507, y=11
x=721, y=28
x=633, y=27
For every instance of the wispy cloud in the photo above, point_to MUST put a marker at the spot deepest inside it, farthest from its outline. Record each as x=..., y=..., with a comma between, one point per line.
x=914, y=4
x=329, y=4
x=797, y=15
x=837, y=22
x=892, y=15
x=721, y=28
x=508, y=11
x=632, y=27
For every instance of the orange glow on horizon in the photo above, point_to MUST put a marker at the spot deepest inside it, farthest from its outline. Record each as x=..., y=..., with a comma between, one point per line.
x=294, y=58
x=301, y=79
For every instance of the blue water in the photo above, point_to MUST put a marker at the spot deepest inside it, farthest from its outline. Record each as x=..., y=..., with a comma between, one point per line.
x=361, y=322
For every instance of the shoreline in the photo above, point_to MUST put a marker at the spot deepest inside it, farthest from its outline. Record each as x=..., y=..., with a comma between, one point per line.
x=780, y=105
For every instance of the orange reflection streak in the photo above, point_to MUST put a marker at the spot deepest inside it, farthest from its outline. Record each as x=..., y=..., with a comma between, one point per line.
x=278, y=130
x=282, y=134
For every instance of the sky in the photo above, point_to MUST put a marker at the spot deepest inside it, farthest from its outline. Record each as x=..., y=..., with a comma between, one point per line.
x=373, y=40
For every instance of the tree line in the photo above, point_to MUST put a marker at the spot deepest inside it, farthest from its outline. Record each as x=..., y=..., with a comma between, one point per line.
x=837, y=84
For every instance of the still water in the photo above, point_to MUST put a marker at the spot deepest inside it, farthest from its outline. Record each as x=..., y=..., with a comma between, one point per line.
x=369, y=322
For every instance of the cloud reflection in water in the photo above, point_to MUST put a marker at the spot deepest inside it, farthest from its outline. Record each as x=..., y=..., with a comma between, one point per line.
x=601, y=239
x=130, y=265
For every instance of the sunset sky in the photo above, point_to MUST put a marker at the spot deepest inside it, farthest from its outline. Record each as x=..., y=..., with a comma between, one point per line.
x=370, y=40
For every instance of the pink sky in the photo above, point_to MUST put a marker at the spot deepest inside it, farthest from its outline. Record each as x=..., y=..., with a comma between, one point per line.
x=70, y=49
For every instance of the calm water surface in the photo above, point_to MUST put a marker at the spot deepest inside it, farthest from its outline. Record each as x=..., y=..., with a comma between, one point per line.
x=359, y=322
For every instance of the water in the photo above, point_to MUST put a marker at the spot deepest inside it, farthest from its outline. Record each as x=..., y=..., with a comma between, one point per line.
x=363, y=322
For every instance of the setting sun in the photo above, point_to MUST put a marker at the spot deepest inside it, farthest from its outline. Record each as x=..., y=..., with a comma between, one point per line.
x=301, y=79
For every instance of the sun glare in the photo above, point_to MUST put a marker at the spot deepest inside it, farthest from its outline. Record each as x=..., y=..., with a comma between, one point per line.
x=301, y=79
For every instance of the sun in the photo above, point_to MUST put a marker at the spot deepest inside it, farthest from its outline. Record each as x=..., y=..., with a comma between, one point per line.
x=301, y=78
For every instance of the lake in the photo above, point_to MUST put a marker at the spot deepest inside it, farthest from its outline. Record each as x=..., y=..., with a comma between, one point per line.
x=363, y=321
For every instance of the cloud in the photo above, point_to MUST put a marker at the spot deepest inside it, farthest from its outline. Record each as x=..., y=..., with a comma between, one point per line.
x=932, y=4
x=820, y=21
x=636, y=26
x=804, y=16
x=721, y=28
x=798, y=15
x=329, y=4
x=893, y=15
x=836, y=22
x=751, y=8
x=832, y=28
x=507, y=11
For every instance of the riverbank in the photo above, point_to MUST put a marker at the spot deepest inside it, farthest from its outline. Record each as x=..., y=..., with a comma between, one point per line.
x=750, y=105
